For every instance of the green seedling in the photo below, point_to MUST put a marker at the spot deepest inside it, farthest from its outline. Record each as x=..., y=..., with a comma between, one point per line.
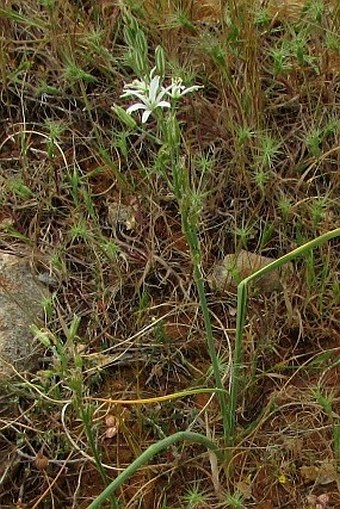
x=195, y=498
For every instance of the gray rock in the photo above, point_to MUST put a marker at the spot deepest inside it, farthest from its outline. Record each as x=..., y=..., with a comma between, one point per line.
x=21, y=298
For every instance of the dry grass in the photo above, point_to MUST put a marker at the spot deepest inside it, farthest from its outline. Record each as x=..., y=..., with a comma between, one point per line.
x=84, y=200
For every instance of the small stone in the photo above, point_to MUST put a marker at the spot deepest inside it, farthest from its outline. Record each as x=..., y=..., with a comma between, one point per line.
x=21, y=297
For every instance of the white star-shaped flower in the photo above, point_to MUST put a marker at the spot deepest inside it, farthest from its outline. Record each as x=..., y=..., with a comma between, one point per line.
x=149, y=94
x=178, y=90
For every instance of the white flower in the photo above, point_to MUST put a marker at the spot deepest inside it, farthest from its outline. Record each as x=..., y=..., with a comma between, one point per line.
x=136, y=86
x=178, y=90
x=149, y=94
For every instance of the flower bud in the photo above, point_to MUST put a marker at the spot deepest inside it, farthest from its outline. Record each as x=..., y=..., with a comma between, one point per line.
x=124, y=117
x=160, y=61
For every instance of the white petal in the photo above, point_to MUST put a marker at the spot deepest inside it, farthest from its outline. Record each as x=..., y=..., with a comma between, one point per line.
x=166, y=89
x=152, y=72
x=146, y=116
x=191, y=89
x=135, y=107
x=134, y=93
x=126, y=94
x=164, y=104
x=160, y=96
x=154, y=86
x=139, y=86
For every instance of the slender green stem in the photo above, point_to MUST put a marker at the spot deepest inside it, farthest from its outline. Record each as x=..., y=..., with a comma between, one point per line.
x=86, y=417
x=147, y=455
x=241, y=317
x=193, y=242
x=189, y=211
x=236, y=368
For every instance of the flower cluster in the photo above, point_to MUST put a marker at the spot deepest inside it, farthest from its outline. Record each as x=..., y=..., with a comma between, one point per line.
x=152, y=94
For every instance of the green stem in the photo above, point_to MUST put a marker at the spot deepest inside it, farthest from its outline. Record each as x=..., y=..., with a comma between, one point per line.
x=179, y=182
x=242, y=298
x=85, y=415
x=193, y=241
x=147, y=455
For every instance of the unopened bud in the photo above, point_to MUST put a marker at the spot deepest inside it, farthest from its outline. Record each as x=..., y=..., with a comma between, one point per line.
x=124, y=117
x=160, y=61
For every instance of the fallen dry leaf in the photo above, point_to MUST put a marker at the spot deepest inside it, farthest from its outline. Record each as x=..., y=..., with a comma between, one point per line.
x=326, y=473
x=285, y=10
x=245, y=488
x=111, y=423
x=119, y=214
x=226, y=275
x=319, y=502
